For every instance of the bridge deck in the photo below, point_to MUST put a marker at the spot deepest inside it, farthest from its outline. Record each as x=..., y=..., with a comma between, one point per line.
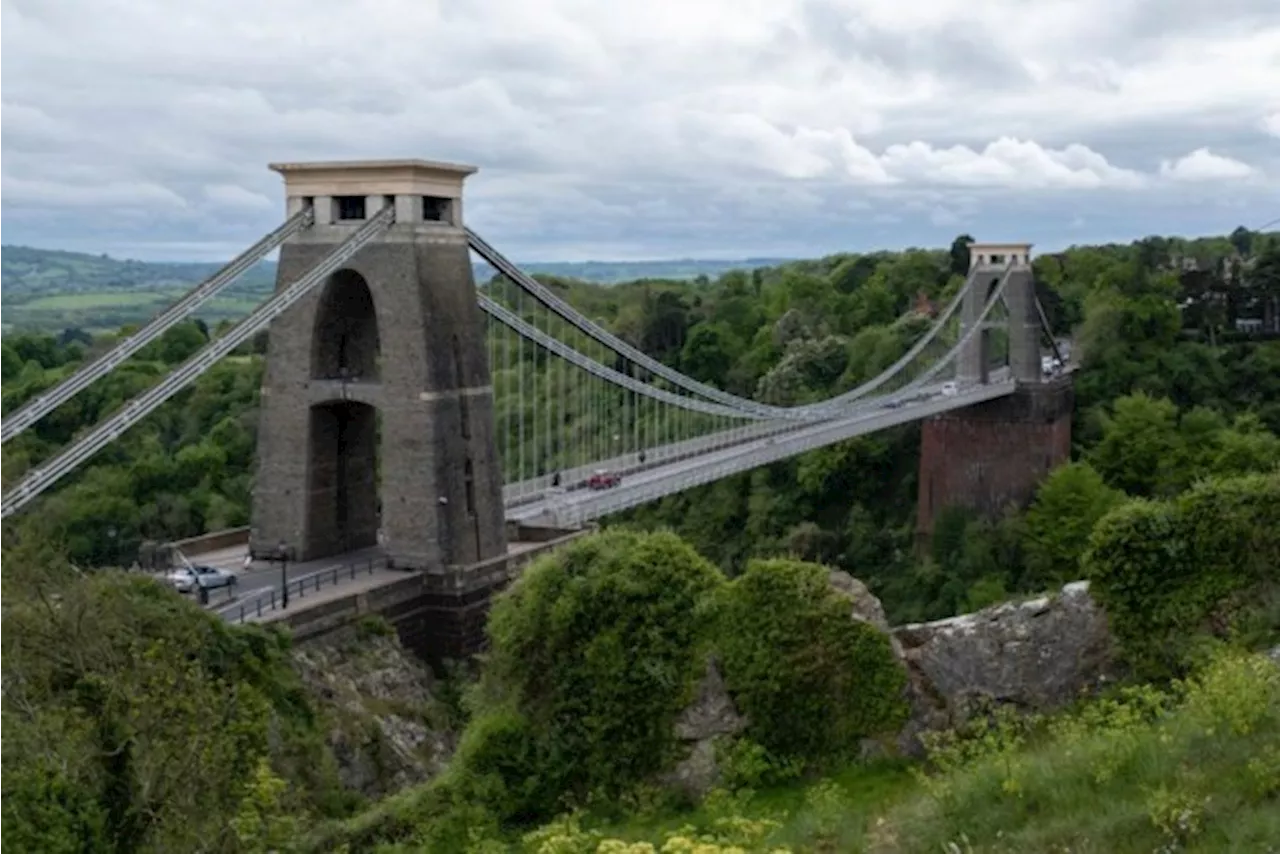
x=358, y=572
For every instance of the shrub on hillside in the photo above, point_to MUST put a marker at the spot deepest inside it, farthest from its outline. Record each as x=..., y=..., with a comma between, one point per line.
x=811, y=680
x=1059, y=521
x=594, y=652
x=133, y=716
x=1167, y=571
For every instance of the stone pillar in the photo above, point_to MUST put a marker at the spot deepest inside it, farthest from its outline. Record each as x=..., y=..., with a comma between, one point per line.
x=1024, y=326
x=989, y=456
x=423, y=419
x=989, y=263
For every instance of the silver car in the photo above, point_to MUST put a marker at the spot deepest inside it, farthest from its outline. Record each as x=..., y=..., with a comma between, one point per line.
x=187, y=578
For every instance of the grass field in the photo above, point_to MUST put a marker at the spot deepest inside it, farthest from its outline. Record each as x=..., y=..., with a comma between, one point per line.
x=109, y=310
x=101, y=299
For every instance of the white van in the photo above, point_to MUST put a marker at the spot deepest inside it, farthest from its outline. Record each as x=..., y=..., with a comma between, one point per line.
x=950, y=389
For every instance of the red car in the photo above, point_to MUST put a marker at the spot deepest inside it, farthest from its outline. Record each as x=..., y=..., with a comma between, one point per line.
x=603, y=480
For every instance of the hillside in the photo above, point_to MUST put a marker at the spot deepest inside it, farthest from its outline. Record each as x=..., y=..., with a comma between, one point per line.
x=52, y=290
x=1168, y=510
x=48, y=290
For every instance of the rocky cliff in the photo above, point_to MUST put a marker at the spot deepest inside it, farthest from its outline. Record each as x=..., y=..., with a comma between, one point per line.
x=1035, y=655
x=386, y=728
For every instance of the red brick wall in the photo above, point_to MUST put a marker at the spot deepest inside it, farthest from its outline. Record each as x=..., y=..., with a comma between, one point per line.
x=994, y=454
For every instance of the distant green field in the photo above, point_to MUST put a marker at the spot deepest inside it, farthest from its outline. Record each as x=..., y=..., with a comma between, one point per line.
x=109, y=310
x=101, y=299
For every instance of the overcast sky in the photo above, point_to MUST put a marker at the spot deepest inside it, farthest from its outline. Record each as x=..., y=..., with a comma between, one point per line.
x=654, y=129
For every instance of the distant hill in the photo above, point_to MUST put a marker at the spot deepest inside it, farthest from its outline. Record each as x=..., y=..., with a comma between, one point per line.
x=48, y=289
x=29, y=272
x=612, y=272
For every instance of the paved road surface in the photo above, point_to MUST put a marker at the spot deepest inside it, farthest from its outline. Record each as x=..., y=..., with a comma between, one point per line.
x=262, y=575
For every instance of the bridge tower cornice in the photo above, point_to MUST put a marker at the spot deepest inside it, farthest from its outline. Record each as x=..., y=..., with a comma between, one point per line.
x=424, y=192
x=999, y=255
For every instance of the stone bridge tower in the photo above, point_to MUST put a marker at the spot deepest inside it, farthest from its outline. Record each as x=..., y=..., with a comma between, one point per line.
x=989, y=456
x=377, y=406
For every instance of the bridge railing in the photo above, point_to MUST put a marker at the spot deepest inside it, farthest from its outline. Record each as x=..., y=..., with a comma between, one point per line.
x=816, y=436
x=273, y=599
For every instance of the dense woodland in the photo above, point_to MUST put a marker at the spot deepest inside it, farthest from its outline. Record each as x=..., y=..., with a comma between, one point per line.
x=789, y=334
x=1169, y=508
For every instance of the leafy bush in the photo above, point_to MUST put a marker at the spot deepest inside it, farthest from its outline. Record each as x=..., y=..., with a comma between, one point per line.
x=1166, y=571
x=811, y=680
x=1060, y=520
x=133, y=716
x=594, y=651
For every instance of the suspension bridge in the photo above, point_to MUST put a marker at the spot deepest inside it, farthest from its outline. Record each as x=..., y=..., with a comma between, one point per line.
x=406, y=411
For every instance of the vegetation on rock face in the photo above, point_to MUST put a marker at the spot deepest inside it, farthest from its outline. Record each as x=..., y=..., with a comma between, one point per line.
x=594, y=654
x=594, y=651
x=1192, y=767
x=134, y=721
x=811, y=680
x=1208, y=560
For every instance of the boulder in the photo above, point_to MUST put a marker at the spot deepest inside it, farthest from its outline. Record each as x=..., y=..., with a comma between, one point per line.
x=1036, y=655
x=711, y=715
x=865, y=605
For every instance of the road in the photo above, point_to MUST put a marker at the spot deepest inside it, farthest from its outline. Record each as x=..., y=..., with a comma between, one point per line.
x=262, y=575
x=644, y=486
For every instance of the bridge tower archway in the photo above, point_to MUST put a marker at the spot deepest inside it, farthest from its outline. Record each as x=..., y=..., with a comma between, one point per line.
x=377, y=406
x=342, y=477
x=345, y=344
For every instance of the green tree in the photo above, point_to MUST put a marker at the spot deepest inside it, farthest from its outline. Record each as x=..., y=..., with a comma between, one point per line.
x=1140, y=445
x=10, y=362
x=811, y=680
x=1060, y=520
x=709, y=353
x=1242, y=240
x=594, y=651
x=958, y=255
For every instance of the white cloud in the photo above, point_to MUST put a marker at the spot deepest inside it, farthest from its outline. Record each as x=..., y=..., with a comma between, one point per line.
x=1010, y=163
x=1271, y=124
x=232, y=196
x=1203, y=165
x=640, y=128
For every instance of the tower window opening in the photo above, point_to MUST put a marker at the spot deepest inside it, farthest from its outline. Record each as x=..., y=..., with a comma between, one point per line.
x=350, y=207
x=435, y=209
x=468, y=476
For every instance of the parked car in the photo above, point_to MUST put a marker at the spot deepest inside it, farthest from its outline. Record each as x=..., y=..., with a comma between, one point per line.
x=187, y=578
x=602, y=479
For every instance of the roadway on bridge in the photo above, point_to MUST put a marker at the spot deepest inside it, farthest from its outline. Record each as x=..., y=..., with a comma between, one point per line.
x=652, y=483
x=262, y=576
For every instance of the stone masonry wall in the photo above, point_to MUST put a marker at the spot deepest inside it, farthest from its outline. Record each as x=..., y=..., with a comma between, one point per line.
x=987, y=456
x=441, y=490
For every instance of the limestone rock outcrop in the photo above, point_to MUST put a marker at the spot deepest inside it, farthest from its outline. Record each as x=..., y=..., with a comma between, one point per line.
x=710, y=715
x=1036, y=655
x=386, y=729
x=866, y=605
